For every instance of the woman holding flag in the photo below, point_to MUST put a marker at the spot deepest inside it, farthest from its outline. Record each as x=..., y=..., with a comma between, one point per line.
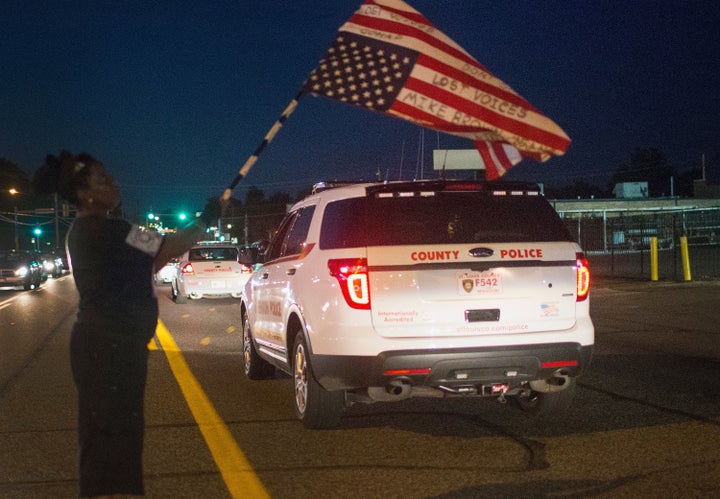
x=113, y=263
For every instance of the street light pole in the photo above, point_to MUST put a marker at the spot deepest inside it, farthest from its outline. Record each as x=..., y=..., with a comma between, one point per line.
x=13, y=191
x=17, y=244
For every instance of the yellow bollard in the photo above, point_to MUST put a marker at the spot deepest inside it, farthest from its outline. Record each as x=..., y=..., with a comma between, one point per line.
x=653, y=258
x=685, y=258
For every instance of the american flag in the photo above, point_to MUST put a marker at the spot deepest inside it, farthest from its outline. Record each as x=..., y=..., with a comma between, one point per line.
x=389, y=58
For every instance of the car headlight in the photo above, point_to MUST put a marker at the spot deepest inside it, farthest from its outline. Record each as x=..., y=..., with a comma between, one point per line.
x=49, y=265
x=22, y=271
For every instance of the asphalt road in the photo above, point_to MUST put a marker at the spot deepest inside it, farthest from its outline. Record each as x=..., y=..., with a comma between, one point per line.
x=645, y=422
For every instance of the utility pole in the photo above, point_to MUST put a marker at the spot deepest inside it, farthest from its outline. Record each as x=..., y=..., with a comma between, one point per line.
x=57, y=222
x=246, y=229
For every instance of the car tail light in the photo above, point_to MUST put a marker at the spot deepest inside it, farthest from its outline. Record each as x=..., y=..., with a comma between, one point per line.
x=408, y=372
x=582, y=272
x=187, y=269
x=352, y=275
x=245, y=269
x=559, y=363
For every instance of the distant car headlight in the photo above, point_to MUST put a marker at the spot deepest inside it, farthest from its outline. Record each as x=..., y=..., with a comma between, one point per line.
x=49, y=265
x=22, y=271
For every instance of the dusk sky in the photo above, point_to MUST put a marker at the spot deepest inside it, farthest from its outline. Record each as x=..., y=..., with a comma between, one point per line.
x=173, y=96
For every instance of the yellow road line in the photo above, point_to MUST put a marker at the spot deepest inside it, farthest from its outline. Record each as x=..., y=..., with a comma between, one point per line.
x=238, y=474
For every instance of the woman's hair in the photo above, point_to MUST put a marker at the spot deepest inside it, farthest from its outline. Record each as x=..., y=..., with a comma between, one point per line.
x=63, y=174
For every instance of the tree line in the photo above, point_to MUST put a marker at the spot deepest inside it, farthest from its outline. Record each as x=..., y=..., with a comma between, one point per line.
x=644, y=165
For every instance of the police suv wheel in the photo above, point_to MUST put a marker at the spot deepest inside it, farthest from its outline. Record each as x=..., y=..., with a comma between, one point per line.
x=316, y=407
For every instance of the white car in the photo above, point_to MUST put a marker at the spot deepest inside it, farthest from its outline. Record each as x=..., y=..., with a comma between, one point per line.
x=210, y=269
x=168, y=273
x=384, y=291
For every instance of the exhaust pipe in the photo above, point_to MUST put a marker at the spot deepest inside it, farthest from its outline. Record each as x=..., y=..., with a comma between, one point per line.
x=557, y=383
x=398, y=388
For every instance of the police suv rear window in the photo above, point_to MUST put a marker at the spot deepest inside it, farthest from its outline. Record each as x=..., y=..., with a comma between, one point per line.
x=444, y=217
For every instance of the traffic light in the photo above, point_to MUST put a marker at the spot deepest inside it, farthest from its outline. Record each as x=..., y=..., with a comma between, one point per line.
x=37, y=231
x=182, y=216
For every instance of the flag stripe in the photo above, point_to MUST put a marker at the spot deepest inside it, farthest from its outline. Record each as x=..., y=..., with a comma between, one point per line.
x=389, y=58
x=430, y=57
x=414, y=34
x=490, y=119
x=413, y=101
x=472, y=82
x=501, y=155
x=492, y=171
x=512, y=115
x=437, y=45
x=402, y=9
x=430, y=46
x=499, y=92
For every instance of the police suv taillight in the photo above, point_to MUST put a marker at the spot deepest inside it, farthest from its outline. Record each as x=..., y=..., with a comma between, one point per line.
x=187, y=269
x=582, y=273
x=352, y=276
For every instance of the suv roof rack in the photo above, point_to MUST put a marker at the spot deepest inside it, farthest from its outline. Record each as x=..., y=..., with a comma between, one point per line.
x=528, y=188
x=333, y=184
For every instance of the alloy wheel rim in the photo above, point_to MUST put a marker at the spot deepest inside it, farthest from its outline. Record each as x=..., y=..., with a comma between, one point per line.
x=246, y=347
x=300, y=376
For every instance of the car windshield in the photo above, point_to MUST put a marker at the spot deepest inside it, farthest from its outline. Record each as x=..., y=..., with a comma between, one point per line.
x=11, y=259
x=440, y=218
x=213, y=253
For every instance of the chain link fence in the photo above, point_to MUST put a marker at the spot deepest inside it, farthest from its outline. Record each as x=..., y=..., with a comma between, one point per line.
x=617, y=242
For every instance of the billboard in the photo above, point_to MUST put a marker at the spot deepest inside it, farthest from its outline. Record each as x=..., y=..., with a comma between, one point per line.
x=457, y=159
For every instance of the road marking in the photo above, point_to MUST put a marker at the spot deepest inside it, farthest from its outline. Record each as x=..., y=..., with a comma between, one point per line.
x=238, y=474
x=6, y=303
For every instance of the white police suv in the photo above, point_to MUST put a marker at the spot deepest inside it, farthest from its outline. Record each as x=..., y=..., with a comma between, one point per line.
x=384, y=291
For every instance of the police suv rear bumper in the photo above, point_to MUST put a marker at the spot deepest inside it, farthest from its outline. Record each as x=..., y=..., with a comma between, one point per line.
x=449, y=367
